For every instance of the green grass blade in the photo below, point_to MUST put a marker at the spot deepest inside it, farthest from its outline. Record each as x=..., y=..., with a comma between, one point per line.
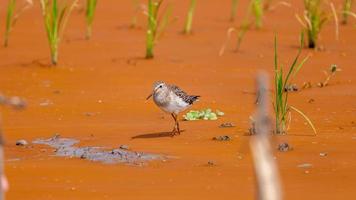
x=234, y=5
x=9, y=20
x=189, y=20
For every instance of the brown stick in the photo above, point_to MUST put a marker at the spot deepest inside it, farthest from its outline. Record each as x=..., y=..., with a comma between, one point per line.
x=2, y=195
x=268, y=183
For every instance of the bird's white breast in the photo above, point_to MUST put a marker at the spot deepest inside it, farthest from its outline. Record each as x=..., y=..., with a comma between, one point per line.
x=171, y=104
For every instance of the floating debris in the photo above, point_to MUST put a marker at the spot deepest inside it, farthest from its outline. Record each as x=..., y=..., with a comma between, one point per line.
x=21, y=143
x=307, y=85
x=284, y=147
x=65, y=148
x=205, y=114
x=125, y=147
x=311, y=101
x=323, y=154
x=291, y=88
x=211, y=163
x=227, y=125
x=45, y=102
x=222, y=138
x=305, y=165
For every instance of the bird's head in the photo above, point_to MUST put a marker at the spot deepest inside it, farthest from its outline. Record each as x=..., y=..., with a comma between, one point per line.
x=158, y=87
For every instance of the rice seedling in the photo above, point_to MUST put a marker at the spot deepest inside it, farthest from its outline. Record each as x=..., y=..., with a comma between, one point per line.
x=346, y=10
x=10, y=12
x=155, y=25
x=281, y=107
x=257, y=11
x=55, y=19
x=314, y=17
x=234, y=4
x=241, y=31
x=12, y=16
x=189, y=19
x=90, y=10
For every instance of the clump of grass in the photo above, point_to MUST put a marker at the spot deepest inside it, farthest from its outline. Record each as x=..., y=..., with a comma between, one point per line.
x=12, y=16
x=55, y=18
x=314, y=18
x=189, y=19
x=257, y=10
x=234, y=4
x=346, y=9
x=281, y=107
x=155, y=25
x=90, y=10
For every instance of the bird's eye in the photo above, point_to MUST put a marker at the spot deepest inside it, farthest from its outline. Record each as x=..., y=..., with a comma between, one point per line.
x=160, y=86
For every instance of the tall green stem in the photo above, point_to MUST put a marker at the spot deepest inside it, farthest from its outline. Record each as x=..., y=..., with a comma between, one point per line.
x=189, y=20
x=9, y=16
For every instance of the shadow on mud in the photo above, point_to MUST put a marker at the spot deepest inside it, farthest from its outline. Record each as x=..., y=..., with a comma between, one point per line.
x=65, y=148
x=154, y=135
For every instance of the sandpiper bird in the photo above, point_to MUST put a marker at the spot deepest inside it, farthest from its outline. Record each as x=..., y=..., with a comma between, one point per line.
x=171, y=99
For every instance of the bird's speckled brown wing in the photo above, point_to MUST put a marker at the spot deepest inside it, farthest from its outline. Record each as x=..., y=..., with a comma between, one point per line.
x=190, y=99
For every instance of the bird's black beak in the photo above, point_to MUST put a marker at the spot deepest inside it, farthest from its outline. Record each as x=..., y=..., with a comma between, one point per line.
x=149, y=96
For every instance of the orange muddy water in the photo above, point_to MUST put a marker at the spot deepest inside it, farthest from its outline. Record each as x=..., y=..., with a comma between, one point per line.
x=97, y=95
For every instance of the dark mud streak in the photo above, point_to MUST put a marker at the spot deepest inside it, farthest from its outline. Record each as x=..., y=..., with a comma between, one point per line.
x=65, y=148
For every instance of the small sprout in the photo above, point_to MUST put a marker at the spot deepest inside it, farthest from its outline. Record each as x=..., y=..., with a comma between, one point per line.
x=333, y=68
x=257, y=10
x=346, y=10
x=90, y=10
x=233, y=10
x=332, y=71
x=12, y=16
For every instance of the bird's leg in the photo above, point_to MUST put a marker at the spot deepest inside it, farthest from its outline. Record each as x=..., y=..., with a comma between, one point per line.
x=175, y=124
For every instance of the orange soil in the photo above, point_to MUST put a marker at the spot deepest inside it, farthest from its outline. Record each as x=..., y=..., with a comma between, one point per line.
x=110, y=69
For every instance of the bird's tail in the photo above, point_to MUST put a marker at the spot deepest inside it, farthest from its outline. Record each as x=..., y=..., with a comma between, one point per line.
x=195, y=98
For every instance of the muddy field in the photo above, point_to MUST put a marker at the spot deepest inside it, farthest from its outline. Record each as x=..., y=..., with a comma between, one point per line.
x=96, y=96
